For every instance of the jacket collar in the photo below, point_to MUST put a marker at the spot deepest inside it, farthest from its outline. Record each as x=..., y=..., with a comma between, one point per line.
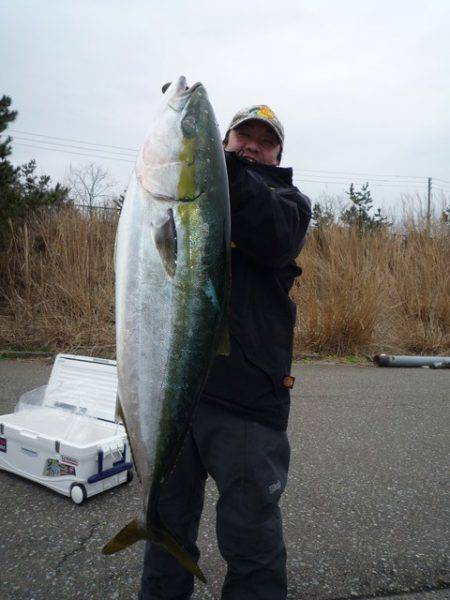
x=282, y=173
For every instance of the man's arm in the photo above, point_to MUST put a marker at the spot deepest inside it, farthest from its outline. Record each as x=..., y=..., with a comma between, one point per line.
x=267, y=224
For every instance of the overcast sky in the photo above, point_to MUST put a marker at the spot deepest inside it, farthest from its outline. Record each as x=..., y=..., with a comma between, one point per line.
x=362, y=86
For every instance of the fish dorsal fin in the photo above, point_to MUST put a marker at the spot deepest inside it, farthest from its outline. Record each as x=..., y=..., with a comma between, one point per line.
x=165, y=237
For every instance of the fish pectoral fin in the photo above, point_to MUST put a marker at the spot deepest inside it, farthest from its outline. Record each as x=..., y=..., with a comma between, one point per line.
x=165, y=237
x=134, y=531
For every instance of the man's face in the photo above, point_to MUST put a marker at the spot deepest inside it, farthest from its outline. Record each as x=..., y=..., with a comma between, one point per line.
x=256, y=142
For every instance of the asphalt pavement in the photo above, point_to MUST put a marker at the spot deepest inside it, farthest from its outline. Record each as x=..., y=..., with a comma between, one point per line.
x=365, y=512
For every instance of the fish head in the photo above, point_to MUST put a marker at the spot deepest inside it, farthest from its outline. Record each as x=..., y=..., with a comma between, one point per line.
x=173, y=161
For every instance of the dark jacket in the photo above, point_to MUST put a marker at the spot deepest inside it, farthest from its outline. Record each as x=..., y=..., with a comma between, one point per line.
x=269, y=219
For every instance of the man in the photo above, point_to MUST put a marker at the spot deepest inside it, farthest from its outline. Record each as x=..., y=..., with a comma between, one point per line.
x=238, y=435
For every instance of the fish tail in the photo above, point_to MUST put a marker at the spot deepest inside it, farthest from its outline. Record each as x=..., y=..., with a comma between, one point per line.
x=165, y=539
x=134, y=531
x=131, y=533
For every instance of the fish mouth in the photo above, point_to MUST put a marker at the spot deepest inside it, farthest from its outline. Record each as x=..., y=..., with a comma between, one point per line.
x=180, y=87
x=182, y=92
x=190, y=90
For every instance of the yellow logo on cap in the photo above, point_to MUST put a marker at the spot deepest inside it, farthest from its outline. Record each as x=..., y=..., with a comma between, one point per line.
x=266, y=113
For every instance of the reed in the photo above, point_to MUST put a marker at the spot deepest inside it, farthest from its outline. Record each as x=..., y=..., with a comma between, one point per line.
x=381, y=291
x=58, y=283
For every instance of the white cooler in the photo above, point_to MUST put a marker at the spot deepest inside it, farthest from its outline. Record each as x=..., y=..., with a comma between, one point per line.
x=65, y=435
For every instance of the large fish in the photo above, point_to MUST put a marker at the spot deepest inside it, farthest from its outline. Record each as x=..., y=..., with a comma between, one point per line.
x=172, y=288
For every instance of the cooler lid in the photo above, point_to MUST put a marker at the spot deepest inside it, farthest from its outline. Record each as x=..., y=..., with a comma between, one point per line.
x=83, y=384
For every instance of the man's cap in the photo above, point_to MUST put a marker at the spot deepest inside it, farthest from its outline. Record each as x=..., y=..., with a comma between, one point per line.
x=259, y=112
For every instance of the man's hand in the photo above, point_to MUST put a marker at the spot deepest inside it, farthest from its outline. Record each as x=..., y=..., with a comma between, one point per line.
x=233, y=165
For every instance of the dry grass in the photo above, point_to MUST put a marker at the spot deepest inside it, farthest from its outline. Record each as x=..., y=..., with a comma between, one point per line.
x=379, y=292
x=59, y=284
x=358, y=294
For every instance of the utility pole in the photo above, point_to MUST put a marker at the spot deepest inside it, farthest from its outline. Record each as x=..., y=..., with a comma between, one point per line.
x=429, y=204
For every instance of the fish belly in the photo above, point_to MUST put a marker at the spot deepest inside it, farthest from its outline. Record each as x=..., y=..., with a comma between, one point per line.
x=143, y=326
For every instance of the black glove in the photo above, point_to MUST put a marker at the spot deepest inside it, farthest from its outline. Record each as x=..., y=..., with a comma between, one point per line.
x=234, y=165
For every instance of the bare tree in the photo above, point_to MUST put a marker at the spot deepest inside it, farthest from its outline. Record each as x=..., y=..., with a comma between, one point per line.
x=90, y=186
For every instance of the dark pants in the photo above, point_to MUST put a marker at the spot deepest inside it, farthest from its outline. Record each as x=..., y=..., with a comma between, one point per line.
x=249, y=463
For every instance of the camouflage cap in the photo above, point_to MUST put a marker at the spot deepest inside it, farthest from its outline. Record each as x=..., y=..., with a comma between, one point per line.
x=259, y=112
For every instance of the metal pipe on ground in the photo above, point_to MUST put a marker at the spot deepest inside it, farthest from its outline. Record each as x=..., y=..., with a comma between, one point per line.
x=434, y=362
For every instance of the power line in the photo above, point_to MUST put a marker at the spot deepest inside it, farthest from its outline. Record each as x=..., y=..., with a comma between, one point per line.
x=78, y=153
x=339, y=173
x=360, y=174
x=71, y=140
x=68, y=146
x=322, y=181
x=363, y=179
x=348, y=182
x=343, y=176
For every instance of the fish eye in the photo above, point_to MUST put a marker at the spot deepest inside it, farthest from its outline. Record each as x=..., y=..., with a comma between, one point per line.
x=188, y=125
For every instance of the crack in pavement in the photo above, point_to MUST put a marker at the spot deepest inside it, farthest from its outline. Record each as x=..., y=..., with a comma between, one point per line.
x=80, y=547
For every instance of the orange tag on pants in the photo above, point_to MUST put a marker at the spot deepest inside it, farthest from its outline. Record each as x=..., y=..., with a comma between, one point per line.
x=288, y=382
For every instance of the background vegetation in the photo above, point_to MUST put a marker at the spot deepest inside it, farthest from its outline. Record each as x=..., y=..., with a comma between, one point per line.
x=368, y=285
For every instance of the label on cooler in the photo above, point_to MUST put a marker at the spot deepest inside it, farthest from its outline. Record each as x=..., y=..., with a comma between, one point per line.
x=3, y=444
x=55, y=468
x=69, y=460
